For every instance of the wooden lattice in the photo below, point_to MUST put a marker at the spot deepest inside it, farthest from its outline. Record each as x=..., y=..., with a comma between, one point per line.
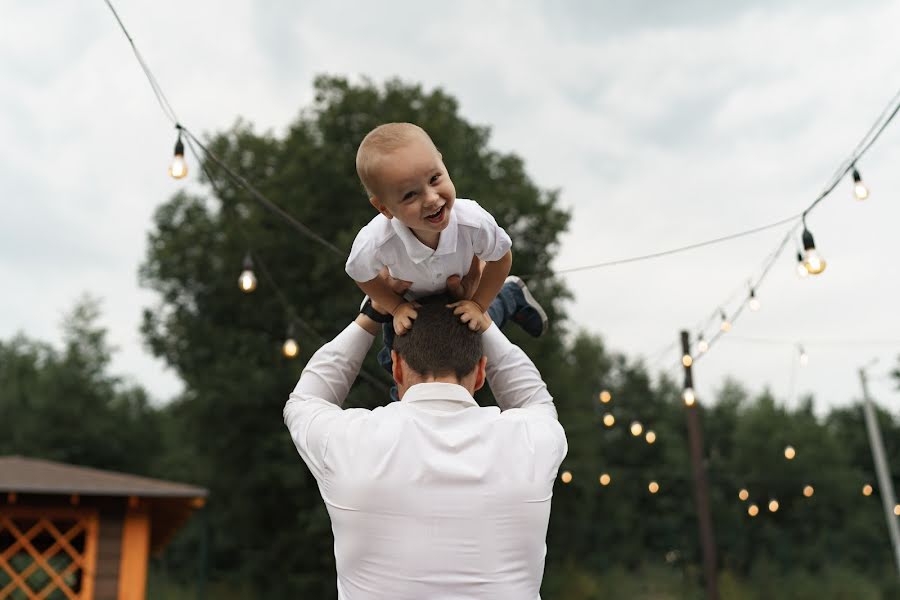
x=47, y=554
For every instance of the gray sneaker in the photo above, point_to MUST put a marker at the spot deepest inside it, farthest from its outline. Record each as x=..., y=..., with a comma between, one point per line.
x=529, y=313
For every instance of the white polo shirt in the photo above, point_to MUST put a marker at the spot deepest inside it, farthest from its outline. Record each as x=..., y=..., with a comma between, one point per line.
x=432, y=497
x=472, y=231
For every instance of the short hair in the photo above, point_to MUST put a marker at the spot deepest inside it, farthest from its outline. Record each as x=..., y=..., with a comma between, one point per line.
x=382, y=140
x=439, y=344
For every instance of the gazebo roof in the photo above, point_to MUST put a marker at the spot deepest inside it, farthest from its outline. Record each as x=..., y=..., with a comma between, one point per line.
x=37, y=476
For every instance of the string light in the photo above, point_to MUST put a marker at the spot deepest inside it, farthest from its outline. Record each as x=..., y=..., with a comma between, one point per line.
x=650, y=437
x=702, y=344
x=605, y=479
x=653, y=487
x=743, y=495
x=754, y=301
x=290, y=348
x=726, y=324
x=802, y=273
x=773, y=505
x=789, y=452
x=609, y=420
x=178, y=168
x=688, y=396
x=566, y=477
x=859, y=188
x=897, y=509
x=753, y=510
x=808, y=491
x=812, y=260
x=605, y=397
x=867, y=490
x=804, y=357
x=636, y=428
x=247, y=280
x=687, y=360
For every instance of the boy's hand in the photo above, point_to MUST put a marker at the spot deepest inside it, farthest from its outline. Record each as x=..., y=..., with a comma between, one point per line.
x=471, y=314
x=403, y=317
x=398, y=286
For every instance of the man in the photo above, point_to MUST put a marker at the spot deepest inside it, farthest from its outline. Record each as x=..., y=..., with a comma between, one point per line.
x=432, y=497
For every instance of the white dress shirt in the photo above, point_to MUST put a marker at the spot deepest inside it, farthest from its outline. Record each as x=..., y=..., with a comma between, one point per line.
x=472, y=231
x=432, y=497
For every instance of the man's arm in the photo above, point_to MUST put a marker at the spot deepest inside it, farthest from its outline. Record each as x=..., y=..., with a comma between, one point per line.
x=514, y=380
x=315, y=403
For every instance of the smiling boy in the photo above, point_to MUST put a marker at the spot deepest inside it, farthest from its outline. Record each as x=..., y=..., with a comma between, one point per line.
x=424, y=233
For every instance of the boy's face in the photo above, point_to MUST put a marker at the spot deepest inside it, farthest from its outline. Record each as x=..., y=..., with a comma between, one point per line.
x=413, y=185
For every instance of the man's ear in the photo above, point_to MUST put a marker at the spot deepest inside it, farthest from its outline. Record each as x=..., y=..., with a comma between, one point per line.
x=396, y=369
x=380, y=207
x=480, y=373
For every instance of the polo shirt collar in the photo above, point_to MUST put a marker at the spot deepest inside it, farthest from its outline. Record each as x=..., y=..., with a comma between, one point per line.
x=416, y=250
x=448, y=396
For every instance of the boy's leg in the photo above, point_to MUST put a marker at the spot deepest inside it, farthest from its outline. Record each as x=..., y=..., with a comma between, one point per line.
x=516, y=302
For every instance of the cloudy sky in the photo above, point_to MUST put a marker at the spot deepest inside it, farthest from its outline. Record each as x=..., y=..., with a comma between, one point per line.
x=661, y=123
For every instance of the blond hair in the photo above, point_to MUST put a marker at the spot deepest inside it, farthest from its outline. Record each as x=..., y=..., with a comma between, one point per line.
x=383, y=140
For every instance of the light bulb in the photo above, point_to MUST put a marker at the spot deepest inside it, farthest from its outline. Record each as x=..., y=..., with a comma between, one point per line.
x=802, y=273
x=808, y=491
x=290, y=348
x=605, y=397
x=753, y=510
x=726, y=324
x=247, y=280
x=813, y=261
x=609, y=420
x=743, y=494
x=789, y=452
x=178, y=168
x=773, y=505
x=702, y=344
x=804, y=357
x=754, y=301
x=566, y=477
x=688, y=395
x=650, y=437
x=605, y=479
x=653, y=487
x=687, y=360
x=867, y=490
x=897, y=509
x=636, y=428
x=859, y=188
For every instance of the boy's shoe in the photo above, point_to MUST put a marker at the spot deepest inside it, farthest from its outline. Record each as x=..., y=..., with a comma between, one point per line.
x=529, y=313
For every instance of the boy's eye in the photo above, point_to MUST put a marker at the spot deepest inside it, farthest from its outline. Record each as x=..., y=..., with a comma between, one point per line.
x=408, y=196
x=435, y=178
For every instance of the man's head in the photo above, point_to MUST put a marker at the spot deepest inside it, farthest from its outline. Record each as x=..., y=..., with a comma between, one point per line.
x=438, y=348
x=405, y=177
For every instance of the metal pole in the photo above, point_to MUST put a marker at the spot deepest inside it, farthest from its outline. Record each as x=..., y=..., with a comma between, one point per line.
x=701, y=485
x=885, y=484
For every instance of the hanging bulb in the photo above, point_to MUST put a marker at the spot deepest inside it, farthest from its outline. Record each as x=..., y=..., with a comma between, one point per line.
x=804, y=357
x=609, y=420
x=702, y=344
x=290, y=348
x=726, y=324
x=636, y=428
x=689, y=397
x=812, y=260
x=687, y=360
x=802, y=273
x=247, y=280
x=178, y=168
x=859, y=188
x=754, y=301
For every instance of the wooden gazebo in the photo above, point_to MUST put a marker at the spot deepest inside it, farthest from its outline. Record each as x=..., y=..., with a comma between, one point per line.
x=70, y=532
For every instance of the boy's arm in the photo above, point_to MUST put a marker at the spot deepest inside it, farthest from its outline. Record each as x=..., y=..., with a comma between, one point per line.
x=492, y=278
x=382, y=294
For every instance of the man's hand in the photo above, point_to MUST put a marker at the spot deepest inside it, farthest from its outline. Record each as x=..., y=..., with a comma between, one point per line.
x=464, y=288
x=404, y=316
x=471, y=314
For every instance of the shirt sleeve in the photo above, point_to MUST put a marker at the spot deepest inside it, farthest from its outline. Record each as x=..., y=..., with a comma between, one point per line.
x=313, y=409
x=365, y=260
x=491, y=241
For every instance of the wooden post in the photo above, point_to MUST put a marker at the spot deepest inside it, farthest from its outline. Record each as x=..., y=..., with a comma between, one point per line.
x=135, y=552
x=701, y=485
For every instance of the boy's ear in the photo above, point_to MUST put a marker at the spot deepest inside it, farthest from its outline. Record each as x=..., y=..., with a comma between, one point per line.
x=380, y=207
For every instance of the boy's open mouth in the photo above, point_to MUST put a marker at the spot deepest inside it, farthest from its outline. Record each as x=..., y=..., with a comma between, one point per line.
x=437, y=216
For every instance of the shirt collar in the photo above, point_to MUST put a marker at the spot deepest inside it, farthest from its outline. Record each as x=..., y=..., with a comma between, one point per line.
x=418, y=251
x=448, y=396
